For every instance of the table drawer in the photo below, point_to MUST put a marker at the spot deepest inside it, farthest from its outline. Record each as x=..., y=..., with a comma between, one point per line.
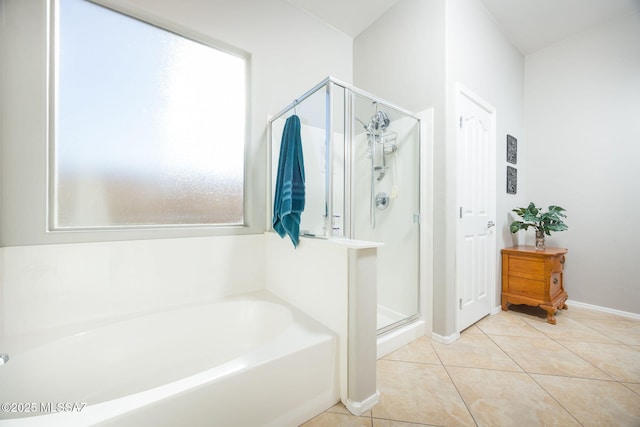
x=527, y=268
x=526, y=287
x=555, y=284
x=557, y=264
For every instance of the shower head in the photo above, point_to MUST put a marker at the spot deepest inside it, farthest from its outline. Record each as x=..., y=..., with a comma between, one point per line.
x=379, y=121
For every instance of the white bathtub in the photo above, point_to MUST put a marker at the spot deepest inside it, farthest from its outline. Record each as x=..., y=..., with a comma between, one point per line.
x=244, y=361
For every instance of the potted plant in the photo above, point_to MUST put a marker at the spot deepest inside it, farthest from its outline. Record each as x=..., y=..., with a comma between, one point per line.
x=543, y=222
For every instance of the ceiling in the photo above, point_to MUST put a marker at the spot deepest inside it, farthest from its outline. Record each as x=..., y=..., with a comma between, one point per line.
x=529, y=24
x=349, y=16
x=534, y=24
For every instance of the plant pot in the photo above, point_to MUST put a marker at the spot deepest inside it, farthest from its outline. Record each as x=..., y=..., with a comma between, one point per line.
x=540, y=240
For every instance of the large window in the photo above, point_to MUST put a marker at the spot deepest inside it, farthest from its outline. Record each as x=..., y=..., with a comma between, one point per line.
x=149, y=126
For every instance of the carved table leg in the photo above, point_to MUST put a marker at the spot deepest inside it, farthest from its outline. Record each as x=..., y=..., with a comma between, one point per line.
x=551, y=311
x=505, y=304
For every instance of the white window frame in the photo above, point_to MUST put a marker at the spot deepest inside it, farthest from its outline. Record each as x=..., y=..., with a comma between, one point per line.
x=215, y=229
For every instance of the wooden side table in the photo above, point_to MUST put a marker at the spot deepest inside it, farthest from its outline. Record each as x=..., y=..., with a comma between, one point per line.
x=534, y=277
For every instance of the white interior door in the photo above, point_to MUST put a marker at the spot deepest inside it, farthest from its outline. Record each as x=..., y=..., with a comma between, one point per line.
x=476, y=236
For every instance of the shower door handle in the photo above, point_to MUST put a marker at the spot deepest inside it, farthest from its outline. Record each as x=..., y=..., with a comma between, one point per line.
x=491, y=224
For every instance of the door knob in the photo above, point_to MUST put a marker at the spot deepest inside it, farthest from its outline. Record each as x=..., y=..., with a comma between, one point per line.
x=491, y=224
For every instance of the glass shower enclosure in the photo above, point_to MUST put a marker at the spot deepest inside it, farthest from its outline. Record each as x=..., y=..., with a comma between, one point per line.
x=362, y=170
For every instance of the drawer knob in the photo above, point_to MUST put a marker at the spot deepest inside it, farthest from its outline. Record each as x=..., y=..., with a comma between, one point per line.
x=555, y=280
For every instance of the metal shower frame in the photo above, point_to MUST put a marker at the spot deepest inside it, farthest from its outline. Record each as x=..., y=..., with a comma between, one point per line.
x=349, y=150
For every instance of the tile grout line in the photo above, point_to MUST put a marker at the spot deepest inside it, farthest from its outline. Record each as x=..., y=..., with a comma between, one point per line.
x=552, y=339
x=466, y=405
x=627, y=386
x=429, y=364
x=553, y=398
x=566, y=348
x=556, y=340
x=617, y=342
x=588, y=362
x=597, y=331
x=404, y=422
x=529, y=374
x=579, y=321
x=505, y=352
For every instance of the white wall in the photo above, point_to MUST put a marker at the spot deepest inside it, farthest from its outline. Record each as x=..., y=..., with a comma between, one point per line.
x=400, y=57
x=482, y=59
x=582, y=109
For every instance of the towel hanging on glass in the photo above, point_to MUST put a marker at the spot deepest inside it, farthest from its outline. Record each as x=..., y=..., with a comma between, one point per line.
x=289, y=198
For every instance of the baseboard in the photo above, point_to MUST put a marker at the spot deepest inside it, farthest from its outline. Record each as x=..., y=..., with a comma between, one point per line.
x=359, y=408
x=496, y=310
x=630, y=315
x=445, y=340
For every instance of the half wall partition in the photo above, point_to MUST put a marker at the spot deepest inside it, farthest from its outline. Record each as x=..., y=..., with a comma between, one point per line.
x=361, y=159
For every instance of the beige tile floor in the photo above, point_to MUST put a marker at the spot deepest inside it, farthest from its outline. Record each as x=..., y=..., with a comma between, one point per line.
x=511, y=369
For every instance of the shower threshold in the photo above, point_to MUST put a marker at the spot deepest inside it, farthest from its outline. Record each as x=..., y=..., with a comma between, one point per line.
x=399, y=334
x=388, y=320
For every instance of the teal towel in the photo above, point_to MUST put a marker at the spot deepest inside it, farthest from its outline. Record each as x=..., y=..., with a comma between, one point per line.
x=289, y=198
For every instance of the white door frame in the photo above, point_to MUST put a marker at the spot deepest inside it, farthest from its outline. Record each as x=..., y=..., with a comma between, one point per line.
x=461, y=90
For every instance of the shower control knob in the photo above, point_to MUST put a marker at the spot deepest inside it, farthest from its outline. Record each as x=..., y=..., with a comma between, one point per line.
x=491, y=224
x=382, y=200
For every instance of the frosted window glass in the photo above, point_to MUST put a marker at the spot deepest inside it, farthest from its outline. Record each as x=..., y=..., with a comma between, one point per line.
x=149, y=125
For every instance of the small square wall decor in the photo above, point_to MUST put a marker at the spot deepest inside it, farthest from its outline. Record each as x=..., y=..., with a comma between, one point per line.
x=512, y=149
x=512, y=180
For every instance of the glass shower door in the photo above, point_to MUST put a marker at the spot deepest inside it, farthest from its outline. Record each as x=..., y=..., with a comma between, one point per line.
x=386, y=203
x=362, y=172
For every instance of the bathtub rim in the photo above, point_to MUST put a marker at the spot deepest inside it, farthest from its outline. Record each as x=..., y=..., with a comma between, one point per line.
x=300, y=327
x=16, y=343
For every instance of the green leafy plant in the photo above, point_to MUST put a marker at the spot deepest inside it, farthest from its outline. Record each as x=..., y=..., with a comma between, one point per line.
x=543, y=222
